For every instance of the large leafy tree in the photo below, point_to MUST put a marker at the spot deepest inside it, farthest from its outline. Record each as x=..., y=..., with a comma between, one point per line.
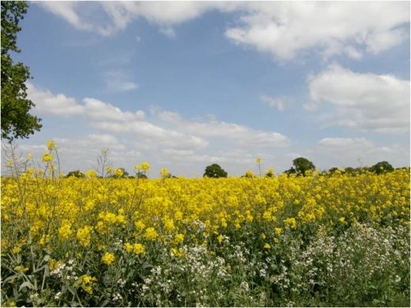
x=301, y=166
x=16, y=121
x=214, y=171
x=382, y=167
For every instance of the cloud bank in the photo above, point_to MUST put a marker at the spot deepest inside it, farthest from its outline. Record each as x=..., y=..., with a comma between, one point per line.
x=364, y=101
x=282, y=29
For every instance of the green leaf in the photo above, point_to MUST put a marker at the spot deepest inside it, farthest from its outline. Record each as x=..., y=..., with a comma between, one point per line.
x=26, y=284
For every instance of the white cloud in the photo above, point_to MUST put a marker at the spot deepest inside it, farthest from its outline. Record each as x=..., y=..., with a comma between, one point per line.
x=168, y=31
x=171, y=12
x=283, y=29
x=119, y=81
x=101, y=111
x=103, y=139
x=286, y=29
x=275, y=102
x=357, y=152
x=50, y=104
x=109, y=17
x=67, y=10
x=162, y=135
x=378, y=103
x=212, y=128
x=339, y=144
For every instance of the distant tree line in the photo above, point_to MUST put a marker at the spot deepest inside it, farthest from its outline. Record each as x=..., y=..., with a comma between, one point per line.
x=301, y=167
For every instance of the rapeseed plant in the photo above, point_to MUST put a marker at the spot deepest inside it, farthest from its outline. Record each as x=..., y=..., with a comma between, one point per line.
x=315, y=240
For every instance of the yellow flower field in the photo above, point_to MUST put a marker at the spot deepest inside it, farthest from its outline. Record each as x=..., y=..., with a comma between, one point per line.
x=184, y=242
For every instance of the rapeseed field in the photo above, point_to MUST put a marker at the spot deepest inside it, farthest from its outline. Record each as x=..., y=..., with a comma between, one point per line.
x=324, y=240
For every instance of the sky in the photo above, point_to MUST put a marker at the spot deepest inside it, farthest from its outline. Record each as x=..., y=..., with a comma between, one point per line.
x=183, y=85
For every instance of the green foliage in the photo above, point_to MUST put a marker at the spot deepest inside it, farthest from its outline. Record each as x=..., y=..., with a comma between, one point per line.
x=16, y=122
x=302, y=165
x=382, y=167
x=141, y=175
x=290, y=171
x=269, y=173
x=215, y=171
x=77, y=174
x=276, y=242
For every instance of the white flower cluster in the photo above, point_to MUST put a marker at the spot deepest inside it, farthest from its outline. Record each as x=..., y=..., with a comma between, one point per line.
x=65, y=271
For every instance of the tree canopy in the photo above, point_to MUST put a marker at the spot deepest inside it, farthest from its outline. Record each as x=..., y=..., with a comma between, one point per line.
x=382, y=167
x=16, y=121
x=215, y=171
x=301, y=166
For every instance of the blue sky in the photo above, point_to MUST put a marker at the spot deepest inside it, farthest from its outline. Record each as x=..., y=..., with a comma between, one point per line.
x=183, y=85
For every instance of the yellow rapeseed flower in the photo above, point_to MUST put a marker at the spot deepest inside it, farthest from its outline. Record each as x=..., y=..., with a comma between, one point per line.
x=178, y=215
x=118, y=173
x=87, y=283
x=50, y=145
x=145, y=166
x=179, y=253
x=139, y=249
x=91, y=173
x=65, y=229
x=84, y=236
x=108, y=258
x=140, y=225
x=47, y=157
x=10, y=303
x=128, y=247
x=20, y=268
x=16, y=249
x=263, y=236
x=290, y=222
x=164, y=172
x=179, y=238
x=169, y=225
x=150, y=234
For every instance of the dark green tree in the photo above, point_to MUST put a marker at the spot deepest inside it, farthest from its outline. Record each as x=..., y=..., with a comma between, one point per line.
x=215, y=171
x=16, y=122
x=333, y=170
x=290, y=171
x=141, y=175
x=76, y=173
x=350, y=170
x=382, y=167
x=302, y=165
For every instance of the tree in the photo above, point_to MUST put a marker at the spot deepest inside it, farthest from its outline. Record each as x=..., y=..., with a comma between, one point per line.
x=124, y=173
x=76, y=173
x=214, y=171
x=16, y=122
x=302, y=165
x=290, y=171
x=381, y=167
x=141, y=175
x=269, y=173
x=350, y=170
